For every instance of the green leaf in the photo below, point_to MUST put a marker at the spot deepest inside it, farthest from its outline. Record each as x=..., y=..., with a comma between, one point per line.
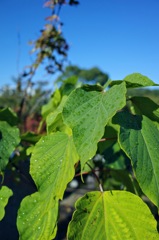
x=115, y=82
x=58, y=125
x=37, y=216
x=135, y=80
x=9, y=139
x=115, y=157
x=89, y=88
x=68, y=85
x=87, y=114
x=52, y=163
x=68, y=80
x=139, y=138
x=9, y=116
x=54, y=119
x=30, y=137
x=147, y=107
x=109, y=137
x=52, y=104
x=138, y=80
x=126, y=180
x=112, y=215
x=5, y=194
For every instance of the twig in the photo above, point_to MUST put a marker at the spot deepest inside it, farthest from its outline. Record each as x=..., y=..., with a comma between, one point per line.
x=2, y=180
x=107, y=139
x=96, y=176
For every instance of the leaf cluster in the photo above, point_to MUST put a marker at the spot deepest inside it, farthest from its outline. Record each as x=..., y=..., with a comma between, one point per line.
x=89, y=129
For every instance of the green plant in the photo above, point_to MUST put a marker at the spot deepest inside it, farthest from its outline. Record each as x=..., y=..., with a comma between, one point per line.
x=92, y=129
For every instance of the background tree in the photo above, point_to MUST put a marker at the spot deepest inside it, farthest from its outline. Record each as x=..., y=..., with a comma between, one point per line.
x=87, y=76
x=113, y=166
x=148, y=92
x=26, y=100
x=50, y=49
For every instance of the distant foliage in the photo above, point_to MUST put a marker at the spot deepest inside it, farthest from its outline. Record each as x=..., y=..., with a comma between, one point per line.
x=96, y=130
x=91, y=76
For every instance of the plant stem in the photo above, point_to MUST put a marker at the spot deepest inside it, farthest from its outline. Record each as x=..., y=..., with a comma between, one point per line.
x=106, y=139
x=96, y=176
x=2, y=180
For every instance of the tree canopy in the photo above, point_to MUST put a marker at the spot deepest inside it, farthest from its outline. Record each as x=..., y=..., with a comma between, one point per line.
x=93, y=75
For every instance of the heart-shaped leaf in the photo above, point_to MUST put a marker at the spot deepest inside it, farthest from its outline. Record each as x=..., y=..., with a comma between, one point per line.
x=87, y=114
x=112, y=215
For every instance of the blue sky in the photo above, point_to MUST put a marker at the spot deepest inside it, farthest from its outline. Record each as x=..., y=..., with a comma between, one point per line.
x=118, y=36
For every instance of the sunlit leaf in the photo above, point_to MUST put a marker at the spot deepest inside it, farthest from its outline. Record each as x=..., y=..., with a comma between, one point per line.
x=135, y=80
x=37, y=216
x=52, y=163
x=5, y=194
x=139, y=138
x=112, y=215
x=54, y=119
x=9, y=139
x=138, y=80
x=52, y=104
x=87, y=114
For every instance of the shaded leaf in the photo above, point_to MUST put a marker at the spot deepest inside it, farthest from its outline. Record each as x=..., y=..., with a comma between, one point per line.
x=37, y=216
x=89, y=88
x=9, y=116
x=109, y=137
x=147, y=107
x=139, y=138
x=112, y=215
x=127, y=180
x=30, y=137
x=115, y=82
x=87, y=114
x=9, y=139
x=68, y=85
x=52, y=163
x=5, y=194
x=115, y=158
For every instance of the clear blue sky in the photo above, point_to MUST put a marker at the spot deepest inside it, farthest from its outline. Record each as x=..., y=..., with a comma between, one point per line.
x=118, y=36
